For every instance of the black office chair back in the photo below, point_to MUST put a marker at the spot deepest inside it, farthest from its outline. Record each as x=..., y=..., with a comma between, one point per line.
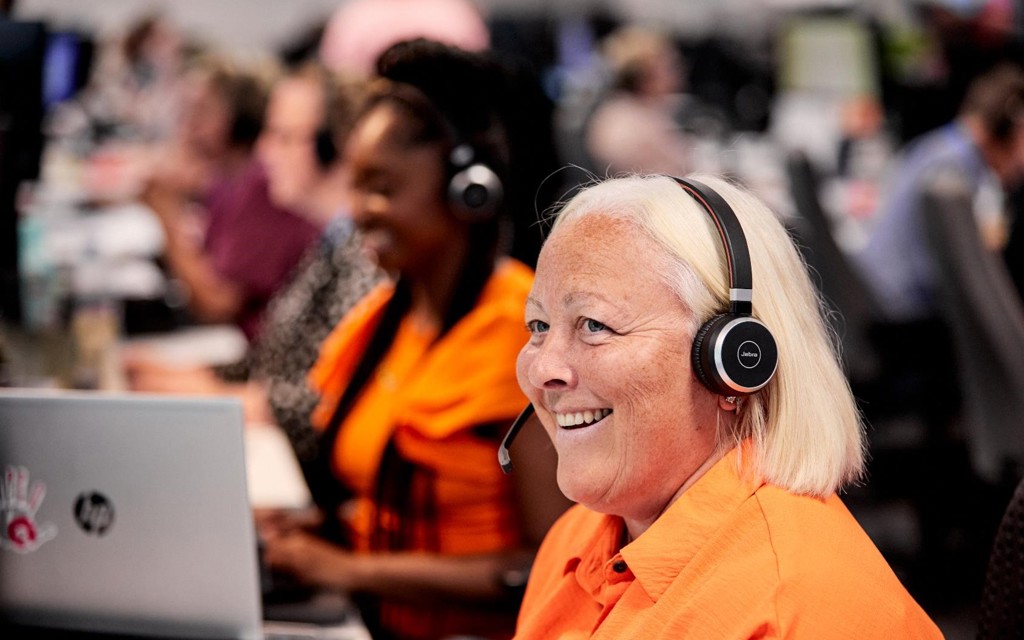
x=1002, y=601
x=986, y=319
x=842, y=287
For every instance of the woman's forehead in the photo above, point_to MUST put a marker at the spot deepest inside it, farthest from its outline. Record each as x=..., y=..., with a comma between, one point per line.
x=603, y=233
x=598, y=247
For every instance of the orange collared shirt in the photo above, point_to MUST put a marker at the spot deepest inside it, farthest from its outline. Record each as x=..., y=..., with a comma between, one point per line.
x=426, y=396
x=731, y=558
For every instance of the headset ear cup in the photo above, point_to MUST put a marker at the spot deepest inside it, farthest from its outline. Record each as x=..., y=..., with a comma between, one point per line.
x=475, y=193
x=734, y=354
x=700, y=360
x=326, y=152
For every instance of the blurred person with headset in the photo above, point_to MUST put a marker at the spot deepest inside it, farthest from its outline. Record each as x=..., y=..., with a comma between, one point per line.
x=702, y=424
x=417, y=382
x=309, y=116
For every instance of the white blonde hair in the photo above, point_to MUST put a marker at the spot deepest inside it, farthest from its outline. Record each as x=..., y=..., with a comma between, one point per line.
x=804, y=426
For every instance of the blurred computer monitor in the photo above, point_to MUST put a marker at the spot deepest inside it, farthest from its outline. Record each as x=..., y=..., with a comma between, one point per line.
x=828, y=54
x=66, y=66
x=22, y=55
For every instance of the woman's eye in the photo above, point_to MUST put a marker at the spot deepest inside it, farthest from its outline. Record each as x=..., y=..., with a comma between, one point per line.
x=537, y=326
x=593, y=326
x=380, y=189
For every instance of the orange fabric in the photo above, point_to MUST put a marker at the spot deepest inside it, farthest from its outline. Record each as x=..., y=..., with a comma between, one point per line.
x=428, y=398
x=731, y=558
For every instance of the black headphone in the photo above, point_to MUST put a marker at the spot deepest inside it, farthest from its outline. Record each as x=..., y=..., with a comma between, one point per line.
x=326, y=150
x=475, y=192
x=733, y=353
x=323, y=141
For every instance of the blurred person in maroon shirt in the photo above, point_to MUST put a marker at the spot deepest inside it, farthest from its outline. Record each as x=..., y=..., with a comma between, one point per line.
x=227, y=242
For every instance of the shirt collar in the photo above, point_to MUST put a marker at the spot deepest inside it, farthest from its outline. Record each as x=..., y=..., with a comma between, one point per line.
x=601, y=542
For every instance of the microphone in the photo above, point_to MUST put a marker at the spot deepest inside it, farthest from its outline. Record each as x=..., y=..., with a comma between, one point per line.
x=504, y=459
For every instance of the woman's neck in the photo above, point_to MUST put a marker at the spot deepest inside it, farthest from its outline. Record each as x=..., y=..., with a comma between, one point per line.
x=634, y=527
x=433, y=285
x=326, y=198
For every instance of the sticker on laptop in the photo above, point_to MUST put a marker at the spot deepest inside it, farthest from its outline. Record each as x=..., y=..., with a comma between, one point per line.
x=19, y=501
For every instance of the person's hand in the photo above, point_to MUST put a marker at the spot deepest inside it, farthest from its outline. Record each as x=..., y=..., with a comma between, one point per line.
x=255, y=403
x=176, y=169
x=312, y=560
x=149, y=375
x=278, y=522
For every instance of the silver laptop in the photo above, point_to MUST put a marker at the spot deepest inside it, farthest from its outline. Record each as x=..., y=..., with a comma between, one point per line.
x=126, y=514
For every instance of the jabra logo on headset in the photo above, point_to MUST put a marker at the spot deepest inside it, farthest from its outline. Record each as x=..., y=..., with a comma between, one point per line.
x=749, y=354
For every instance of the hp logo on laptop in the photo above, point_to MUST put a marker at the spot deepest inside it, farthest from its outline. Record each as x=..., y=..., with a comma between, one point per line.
x=94, y=513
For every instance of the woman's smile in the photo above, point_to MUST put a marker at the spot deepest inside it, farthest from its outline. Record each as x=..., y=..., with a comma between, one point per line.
x=579, y=419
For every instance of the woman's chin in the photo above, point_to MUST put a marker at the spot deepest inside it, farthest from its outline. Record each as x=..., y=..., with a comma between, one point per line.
x=577, y=486
x=380, y=250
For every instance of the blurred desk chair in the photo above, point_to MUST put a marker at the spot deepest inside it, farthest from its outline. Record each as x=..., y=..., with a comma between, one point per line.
x=986, y=319
x=885, y=385
x=883, y=360
x=986, y=322
x=903, y=376
x=837, y=281
x=1002, y=601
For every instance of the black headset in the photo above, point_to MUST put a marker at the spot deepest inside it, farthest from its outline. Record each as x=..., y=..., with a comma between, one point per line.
x=473, y=189
x=326, y=150
x=475, y=192
x=733, y=353
x=323, y=141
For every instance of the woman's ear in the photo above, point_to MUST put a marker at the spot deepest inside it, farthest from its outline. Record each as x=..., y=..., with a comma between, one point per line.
x=728, y=403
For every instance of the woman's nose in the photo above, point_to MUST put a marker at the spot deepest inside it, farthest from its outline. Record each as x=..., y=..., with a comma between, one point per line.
x=366, y=206
x=357, y=206
x=551, y=366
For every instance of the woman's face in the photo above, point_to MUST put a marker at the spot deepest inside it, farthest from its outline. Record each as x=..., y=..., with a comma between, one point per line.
x=287, y=144
x=608, y=370
x=396, y=192
x=206, y=117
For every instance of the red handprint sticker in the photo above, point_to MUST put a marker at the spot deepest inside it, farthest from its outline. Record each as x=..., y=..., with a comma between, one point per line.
x=19, y=502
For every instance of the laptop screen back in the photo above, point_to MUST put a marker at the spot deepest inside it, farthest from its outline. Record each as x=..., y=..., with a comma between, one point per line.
x=126, y=514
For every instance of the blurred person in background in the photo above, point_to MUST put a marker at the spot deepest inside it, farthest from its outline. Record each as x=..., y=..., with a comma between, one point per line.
x=135, y=90
x=309, y=116
x=635, y=127
x=983, y=149
x=418, y=381
x=226, y=241
x=703, y=425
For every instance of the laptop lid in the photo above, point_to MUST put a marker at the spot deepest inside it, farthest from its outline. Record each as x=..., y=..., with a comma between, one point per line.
x=126, y=514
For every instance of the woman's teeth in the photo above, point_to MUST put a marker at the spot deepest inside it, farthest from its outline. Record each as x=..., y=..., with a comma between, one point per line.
x=581, y=418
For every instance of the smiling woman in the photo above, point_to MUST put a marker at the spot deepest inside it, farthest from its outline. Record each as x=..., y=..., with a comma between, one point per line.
x=707, y=504
x=586, y=320
x=418, y=379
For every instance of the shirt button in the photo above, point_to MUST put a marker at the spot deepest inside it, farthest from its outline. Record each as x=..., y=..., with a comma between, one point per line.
x=619, y=566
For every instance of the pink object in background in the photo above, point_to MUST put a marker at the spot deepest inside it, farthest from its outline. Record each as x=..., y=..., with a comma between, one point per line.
x=359, y=31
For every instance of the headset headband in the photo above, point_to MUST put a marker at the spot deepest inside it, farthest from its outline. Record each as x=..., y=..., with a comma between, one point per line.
x=737, y=257
x=416, y=98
